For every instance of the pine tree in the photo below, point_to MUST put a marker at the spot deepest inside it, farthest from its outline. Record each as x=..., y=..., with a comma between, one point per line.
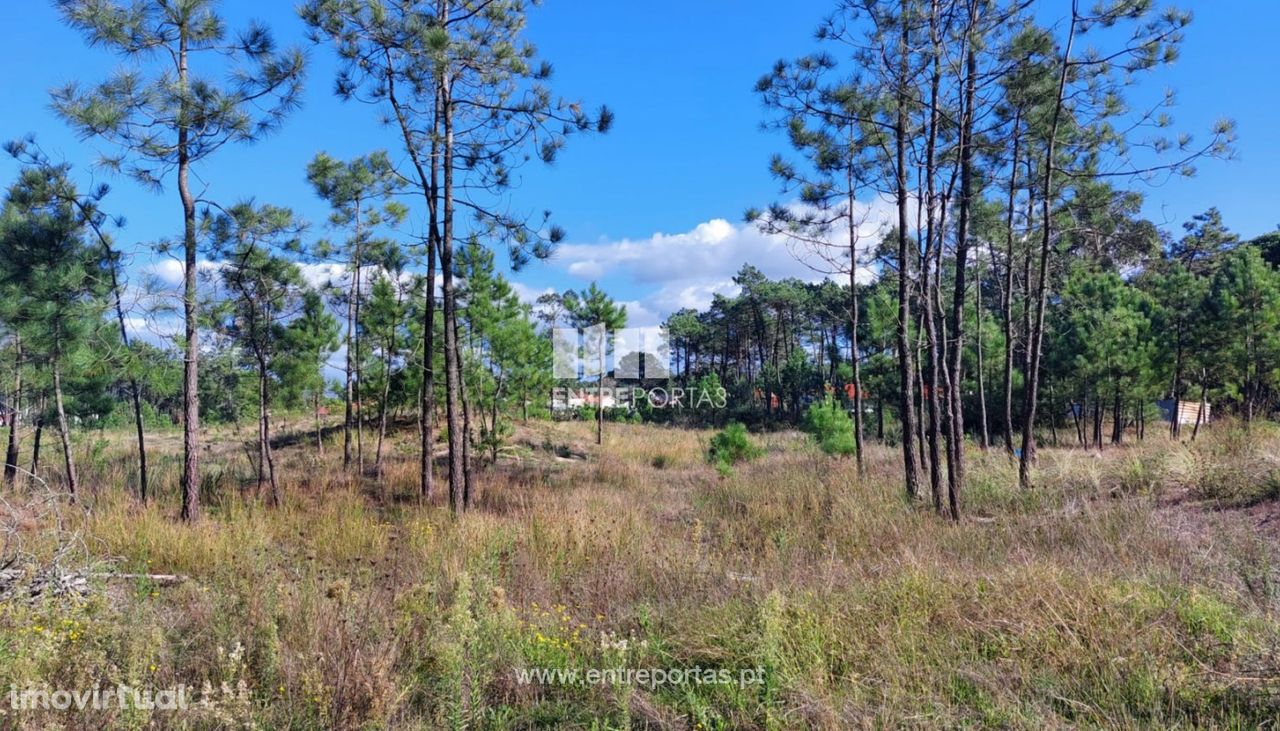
x=166, y=116
x=1245, y=307
x=383, y=322
x=309, y=340
x=89, y=208
x=468, y=96
x=265, y=291
x=54, y=284
x=509, y=359
x=359, y=193
x=594, y=311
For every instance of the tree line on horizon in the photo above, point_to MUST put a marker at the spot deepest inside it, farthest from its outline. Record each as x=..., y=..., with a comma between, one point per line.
x=1017, y=278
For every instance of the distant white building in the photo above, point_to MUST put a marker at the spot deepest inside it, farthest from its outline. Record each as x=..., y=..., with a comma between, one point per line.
x=1188, y=411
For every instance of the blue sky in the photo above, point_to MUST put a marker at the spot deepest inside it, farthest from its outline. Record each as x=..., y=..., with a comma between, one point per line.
x=654, y=208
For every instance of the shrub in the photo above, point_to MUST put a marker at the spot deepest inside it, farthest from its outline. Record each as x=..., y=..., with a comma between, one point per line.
x=731, y=446
x=1237, y=468
x=830, y=427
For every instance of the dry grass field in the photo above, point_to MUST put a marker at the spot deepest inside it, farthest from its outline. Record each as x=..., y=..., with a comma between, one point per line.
x=1135, y=588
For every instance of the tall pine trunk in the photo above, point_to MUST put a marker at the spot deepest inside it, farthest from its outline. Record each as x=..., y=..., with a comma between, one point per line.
x=319, y=431
x=431, y=191
x=427, y=405
x=955, y=476
x=1006, y=304
x=906, y=369
x=64, y=430
x=353, y=296
x=35, y=447
x=190, y=365
x=985, y=433
x=266, y=461
x=1042, y=295
x=858, y=438
x=382, y=407
x=452, y=365
x=15, y=413
x=929, y=302
x=600, y=391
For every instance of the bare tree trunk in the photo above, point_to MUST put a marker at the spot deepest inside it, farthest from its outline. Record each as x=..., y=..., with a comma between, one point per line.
x=268, y=465
x=358, y=386
x=353, y=296
x=136, y=394
x=190, y=366
x=427, y=405
x=452, y=366
x=926, y=466
x=1097, y=421
x=35, y=447
x=933, y=238
x=600, y=394
x=382, y=410
x=1033, y=371
x=984, y=433
x=1175, y=388
x=64, y=431
x=15, y=412
x=1117, y=418
x=1006, y=303
x=1028, y=294
x=276, y=498
x=906, y=370
x=426, y=402
x=858, y=438
x=1077, y=418
x=931, y=383
x=955, y=475
x=262, y=430
x=467, y=494
x=431, y=190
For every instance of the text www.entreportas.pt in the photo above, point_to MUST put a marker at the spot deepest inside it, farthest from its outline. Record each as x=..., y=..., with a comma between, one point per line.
x=641, y=677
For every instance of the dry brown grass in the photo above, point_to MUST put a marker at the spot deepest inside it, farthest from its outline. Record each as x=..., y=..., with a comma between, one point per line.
x=1079, y=603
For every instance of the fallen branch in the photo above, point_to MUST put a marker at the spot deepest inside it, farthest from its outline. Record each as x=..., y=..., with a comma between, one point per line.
x=158, y=579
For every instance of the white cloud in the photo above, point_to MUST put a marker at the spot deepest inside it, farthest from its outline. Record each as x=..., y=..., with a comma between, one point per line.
x=320, y=275
x=687, y=269
x=589, y=269
x=695, y=296
x=167, y=272
x=529, y=295
x=157, y=330
x=639, y=314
